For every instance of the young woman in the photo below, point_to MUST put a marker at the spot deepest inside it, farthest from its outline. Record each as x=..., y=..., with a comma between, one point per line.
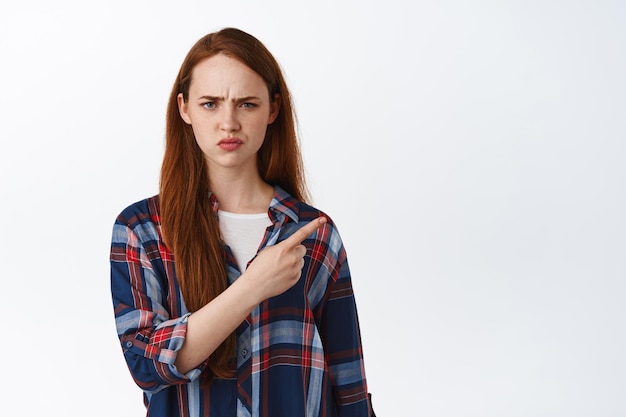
x=232, y=296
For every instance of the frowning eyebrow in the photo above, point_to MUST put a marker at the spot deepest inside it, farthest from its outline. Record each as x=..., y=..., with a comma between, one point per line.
x=239, y=99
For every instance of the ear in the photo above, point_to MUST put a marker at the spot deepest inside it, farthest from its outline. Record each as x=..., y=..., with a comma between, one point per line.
x=274, y=109
x=182, y=108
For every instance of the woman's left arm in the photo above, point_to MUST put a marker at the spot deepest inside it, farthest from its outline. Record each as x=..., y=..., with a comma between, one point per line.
x=339, y=327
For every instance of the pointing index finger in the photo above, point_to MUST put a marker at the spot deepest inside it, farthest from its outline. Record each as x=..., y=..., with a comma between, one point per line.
x=305, y=231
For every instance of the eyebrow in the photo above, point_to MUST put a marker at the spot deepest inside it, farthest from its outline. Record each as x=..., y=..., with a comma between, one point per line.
x=216, y=98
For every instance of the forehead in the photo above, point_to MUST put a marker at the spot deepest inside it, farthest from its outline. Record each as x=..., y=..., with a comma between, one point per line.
x=220, y=74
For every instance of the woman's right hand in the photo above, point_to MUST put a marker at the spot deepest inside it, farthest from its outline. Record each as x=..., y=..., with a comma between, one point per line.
x=278, y=267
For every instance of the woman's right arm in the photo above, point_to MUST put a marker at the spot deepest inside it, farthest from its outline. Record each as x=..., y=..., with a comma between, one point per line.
x=276, y=269
x=150, y=333
x=161, y=350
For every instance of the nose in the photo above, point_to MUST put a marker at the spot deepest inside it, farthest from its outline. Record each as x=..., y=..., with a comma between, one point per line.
x=229, y=121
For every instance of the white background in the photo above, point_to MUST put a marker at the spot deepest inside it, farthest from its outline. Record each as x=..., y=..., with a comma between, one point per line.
x=472, y=154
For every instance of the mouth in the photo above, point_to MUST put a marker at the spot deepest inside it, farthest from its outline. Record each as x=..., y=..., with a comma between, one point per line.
x=230, y=144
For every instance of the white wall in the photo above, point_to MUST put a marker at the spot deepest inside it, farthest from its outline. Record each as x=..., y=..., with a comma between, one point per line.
x=472, y=154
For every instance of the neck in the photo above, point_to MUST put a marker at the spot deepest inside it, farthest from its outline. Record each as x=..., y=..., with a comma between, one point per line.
x=239, y=193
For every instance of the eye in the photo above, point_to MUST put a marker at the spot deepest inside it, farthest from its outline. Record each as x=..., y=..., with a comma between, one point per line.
x=209, y=105
x=248, y=105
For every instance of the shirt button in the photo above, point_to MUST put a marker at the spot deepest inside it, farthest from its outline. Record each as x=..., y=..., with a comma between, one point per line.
x=129, y=344
x=244, y=352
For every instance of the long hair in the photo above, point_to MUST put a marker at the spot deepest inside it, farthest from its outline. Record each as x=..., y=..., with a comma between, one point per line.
x=189, y=226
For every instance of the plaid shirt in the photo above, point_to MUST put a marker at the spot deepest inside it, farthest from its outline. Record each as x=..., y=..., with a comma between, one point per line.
x=298, y=354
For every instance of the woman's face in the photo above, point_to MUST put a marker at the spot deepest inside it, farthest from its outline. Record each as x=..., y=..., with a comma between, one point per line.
x=228, y=109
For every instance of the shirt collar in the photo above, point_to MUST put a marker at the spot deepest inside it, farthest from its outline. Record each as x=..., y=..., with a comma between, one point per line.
x=282, y=204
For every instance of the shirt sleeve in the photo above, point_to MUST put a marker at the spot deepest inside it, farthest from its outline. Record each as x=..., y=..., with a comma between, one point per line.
x=339, y=328
x=149, y=334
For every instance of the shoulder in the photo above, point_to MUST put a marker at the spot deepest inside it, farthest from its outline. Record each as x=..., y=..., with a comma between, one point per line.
x=140, y=212
x=327, y=235
x=138, y=221
x=298, y=211
x=308, y=213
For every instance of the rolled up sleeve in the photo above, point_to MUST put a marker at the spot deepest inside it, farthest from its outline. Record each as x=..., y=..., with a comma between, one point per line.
x=149, y=334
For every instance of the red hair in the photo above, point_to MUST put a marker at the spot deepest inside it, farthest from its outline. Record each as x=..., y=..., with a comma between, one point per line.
x=189, y=225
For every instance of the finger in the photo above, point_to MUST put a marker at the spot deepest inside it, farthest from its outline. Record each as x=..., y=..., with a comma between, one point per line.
x=305, y=231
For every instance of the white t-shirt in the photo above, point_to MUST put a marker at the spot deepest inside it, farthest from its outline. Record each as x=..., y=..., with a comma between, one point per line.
x=243, y=233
